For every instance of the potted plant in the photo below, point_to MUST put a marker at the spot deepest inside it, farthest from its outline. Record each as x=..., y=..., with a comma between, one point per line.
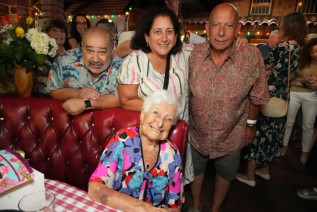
x=24, y=47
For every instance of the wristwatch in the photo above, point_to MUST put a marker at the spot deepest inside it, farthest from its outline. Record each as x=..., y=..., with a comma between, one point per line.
x=87, y=104
x=252, y=126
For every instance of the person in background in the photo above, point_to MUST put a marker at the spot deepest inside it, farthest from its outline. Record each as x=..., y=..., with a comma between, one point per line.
x=123, y=49
x=110, y=27
x=57, y=29
x=78, y=26
x=273, y=40
x=85, y=78
x=227, y=86
x=302, y=95
x=308, y=193
x=270, y=130
x=140, y=169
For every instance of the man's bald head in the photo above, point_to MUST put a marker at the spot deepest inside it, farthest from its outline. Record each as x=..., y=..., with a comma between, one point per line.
x=98, y=32
x=225, y=6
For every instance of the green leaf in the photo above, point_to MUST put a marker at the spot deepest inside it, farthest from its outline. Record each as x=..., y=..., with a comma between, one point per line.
x=6, y=68
x=39, y=59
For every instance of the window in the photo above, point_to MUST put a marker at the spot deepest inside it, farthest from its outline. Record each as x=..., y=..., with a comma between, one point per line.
x=307, y=6
x=260, y=7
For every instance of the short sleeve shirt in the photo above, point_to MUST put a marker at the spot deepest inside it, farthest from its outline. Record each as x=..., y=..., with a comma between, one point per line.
x=138, y=69
x=122, y=168
x=219, y=98
x=69, y=71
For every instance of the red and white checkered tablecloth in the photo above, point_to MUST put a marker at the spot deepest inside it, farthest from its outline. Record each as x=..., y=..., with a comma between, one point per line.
x=70, y=198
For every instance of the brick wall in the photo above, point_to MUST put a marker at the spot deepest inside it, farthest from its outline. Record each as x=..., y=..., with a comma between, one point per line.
x=53, y=9
x=14, y=6
x=50, y=8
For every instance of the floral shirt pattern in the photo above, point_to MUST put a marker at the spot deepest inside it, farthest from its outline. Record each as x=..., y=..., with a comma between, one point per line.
x=122, y=168
x=138, y=69
x=270, y=131
x=277, y=62
x=68, y=71
x=219, y=98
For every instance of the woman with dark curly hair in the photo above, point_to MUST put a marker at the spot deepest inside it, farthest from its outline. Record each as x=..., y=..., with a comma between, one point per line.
x=79, y=25
x=57, y=29
x=156, y=40
x=270, y=130
x=302, y=95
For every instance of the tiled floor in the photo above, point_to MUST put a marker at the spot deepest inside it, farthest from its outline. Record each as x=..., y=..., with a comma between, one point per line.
x=275, y=195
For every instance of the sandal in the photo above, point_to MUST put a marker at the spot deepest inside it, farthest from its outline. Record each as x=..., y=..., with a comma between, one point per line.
x=308, y=193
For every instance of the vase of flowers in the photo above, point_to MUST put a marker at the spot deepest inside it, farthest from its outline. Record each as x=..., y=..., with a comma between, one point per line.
x=23, y=46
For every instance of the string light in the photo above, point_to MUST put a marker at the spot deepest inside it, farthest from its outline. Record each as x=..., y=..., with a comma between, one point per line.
x=38, y=11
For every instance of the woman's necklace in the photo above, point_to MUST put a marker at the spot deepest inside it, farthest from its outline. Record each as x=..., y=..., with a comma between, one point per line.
x=147, y=164
x=149, y=155
x=150, y=158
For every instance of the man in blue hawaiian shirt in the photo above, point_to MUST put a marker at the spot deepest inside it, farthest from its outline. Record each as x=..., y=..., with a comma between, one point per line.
x=86, y=78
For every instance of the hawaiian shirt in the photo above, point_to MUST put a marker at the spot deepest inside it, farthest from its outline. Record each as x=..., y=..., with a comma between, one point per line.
x=122, y=168
x=69, y=71
x=219, y=98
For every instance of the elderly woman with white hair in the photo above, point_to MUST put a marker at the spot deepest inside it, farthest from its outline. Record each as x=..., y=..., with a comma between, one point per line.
x=140, y=169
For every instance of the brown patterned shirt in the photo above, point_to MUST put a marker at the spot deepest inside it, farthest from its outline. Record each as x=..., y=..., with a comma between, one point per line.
x=219, y=98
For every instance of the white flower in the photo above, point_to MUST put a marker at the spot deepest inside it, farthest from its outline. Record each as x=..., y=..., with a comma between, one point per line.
x=54, y=45
x=41, y=42
x=7, y=39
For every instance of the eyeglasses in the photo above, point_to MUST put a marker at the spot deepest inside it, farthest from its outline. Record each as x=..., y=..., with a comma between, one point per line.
x=81, y=23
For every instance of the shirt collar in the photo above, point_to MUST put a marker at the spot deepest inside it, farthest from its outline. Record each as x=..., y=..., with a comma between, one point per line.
x=231, y=55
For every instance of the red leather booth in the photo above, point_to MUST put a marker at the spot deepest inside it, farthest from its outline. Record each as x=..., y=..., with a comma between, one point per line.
x=65, y=147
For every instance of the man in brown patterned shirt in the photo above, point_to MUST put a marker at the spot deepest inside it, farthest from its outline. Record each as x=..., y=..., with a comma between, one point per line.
x=227, y=85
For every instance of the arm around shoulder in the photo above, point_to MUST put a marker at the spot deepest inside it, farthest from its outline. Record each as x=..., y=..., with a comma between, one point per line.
x=123, y=49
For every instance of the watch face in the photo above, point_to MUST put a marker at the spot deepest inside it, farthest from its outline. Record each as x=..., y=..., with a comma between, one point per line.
x=87, y=103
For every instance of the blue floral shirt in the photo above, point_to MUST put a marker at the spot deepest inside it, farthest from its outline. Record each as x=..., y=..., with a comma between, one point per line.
x=122, y=168
x=68, y=71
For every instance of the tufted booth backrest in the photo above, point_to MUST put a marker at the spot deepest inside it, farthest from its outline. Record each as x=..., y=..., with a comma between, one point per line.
x=65, y=147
